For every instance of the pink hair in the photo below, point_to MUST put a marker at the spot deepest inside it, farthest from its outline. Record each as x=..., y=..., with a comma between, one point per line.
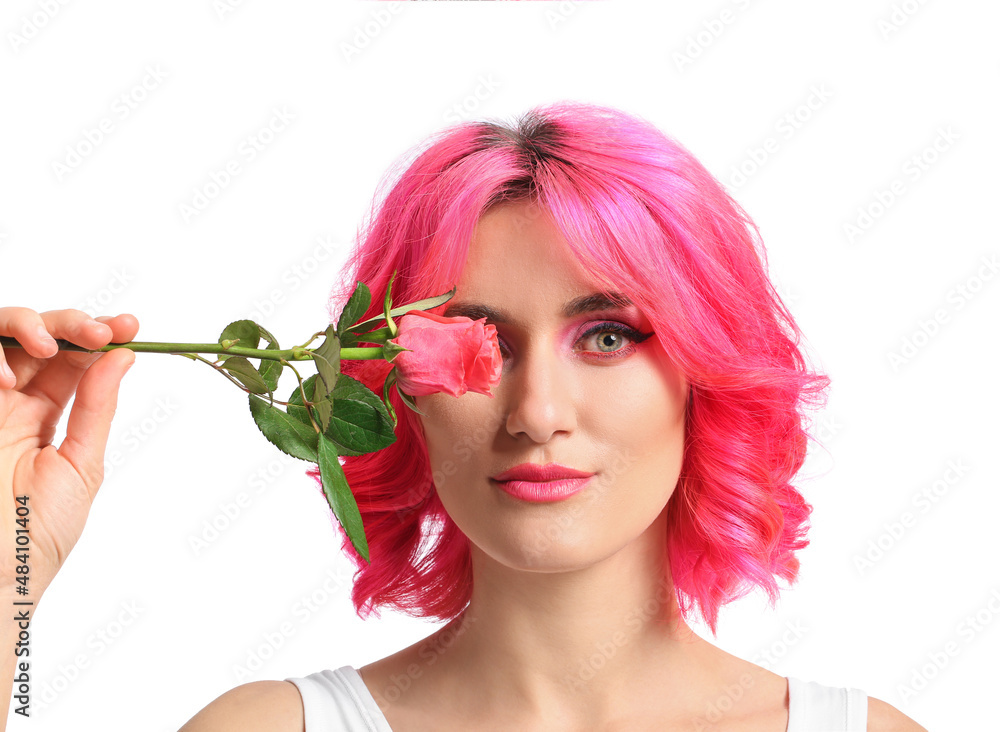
x=645, y=216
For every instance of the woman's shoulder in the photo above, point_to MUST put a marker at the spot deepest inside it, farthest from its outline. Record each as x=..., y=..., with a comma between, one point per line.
x=807, y=703
x=259, y=706
x=812, y=702
x=883, y=717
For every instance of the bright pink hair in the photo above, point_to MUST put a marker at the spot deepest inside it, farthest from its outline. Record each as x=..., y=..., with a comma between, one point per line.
x=643, y=215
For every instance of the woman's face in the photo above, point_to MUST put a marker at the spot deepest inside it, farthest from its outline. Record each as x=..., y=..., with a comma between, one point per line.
x=601, y=403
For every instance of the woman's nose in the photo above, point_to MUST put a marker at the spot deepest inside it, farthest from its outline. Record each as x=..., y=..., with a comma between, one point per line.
x=540, y=399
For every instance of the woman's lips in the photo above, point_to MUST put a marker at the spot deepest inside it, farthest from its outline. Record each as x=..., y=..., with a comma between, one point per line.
x=536, y=473
x=543, y=491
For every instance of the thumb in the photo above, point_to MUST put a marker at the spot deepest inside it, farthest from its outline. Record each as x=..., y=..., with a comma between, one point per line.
x=90, y=418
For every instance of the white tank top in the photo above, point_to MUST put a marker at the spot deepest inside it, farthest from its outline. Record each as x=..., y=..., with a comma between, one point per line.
x=339, y=701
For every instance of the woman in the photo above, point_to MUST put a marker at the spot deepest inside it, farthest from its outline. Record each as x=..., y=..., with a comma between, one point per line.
x=631, y=469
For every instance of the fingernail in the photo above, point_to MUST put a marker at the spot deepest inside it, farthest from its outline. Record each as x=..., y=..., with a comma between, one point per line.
x=6, y=370
x=44, y=334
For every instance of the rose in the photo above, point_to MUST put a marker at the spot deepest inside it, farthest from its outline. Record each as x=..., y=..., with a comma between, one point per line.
x=451, y=355
x=430, y=354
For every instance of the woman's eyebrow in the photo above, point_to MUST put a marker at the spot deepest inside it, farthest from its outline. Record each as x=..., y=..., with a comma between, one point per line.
x=577, y=306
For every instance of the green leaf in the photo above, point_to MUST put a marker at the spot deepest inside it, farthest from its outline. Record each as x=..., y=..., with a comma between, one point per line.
x=286, y=433
x=295, y=398
x=244, y=372
x=322, y=403
x=352, y=340
x=387, y=306
x=295, y=405
x=246, y=331
x=299, y=412
x=426, y=304
x=269, y=370
x=327, y=358
x=408, y=401
x=390, y=350
x=389, y=381
x=360, y=422
x=248, y=334
x=338, y=495
x=356, y=306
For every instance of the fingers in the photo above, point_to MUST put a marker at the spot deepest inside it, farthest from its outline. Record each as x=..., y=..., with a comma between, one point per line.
x=36, y=333
x=58, y=381
x=77, y=327
x=124, y=327
x=90, y=418
x=61, y=371
x=27, y=327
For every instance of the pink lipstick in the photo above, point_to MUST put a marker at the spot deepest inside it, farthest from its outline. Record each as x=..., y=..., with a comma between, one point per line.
x=542, y=483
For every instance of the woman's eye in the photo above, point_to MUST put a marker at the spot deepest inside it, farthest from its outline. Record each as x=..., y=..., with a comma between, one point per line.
x=612, y=339
x=603, y=340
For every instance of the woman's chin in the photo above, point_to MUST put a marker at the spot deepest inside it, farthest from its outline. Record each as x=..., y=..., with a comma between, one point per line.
x=531, y=550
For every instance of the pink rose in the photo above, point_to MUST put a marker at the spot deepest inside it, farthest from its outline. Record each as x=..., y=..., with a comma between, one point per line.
x=453, y=355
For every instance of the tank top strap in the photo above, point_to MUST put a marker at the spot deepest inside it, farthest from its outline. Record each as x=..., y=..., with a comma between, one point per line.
x=813, y=707
x=339, y=701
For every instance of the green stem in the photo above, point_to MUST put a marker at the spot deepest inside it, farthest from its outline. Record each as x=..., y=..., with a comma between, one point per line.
x=305, y=399
x=292, y=354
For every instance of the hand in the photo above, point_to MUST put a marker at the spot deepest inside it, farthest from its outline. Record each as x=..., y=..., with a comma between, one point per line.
x=60, y=484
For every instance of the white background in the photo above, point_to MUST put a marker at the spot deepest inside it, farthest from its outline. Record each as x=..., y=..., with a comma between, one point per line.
x=365, y=82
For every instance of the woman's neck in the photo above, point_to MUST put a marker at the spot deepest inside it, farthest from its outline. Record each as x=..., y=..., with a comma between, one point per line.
x=578, y=643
